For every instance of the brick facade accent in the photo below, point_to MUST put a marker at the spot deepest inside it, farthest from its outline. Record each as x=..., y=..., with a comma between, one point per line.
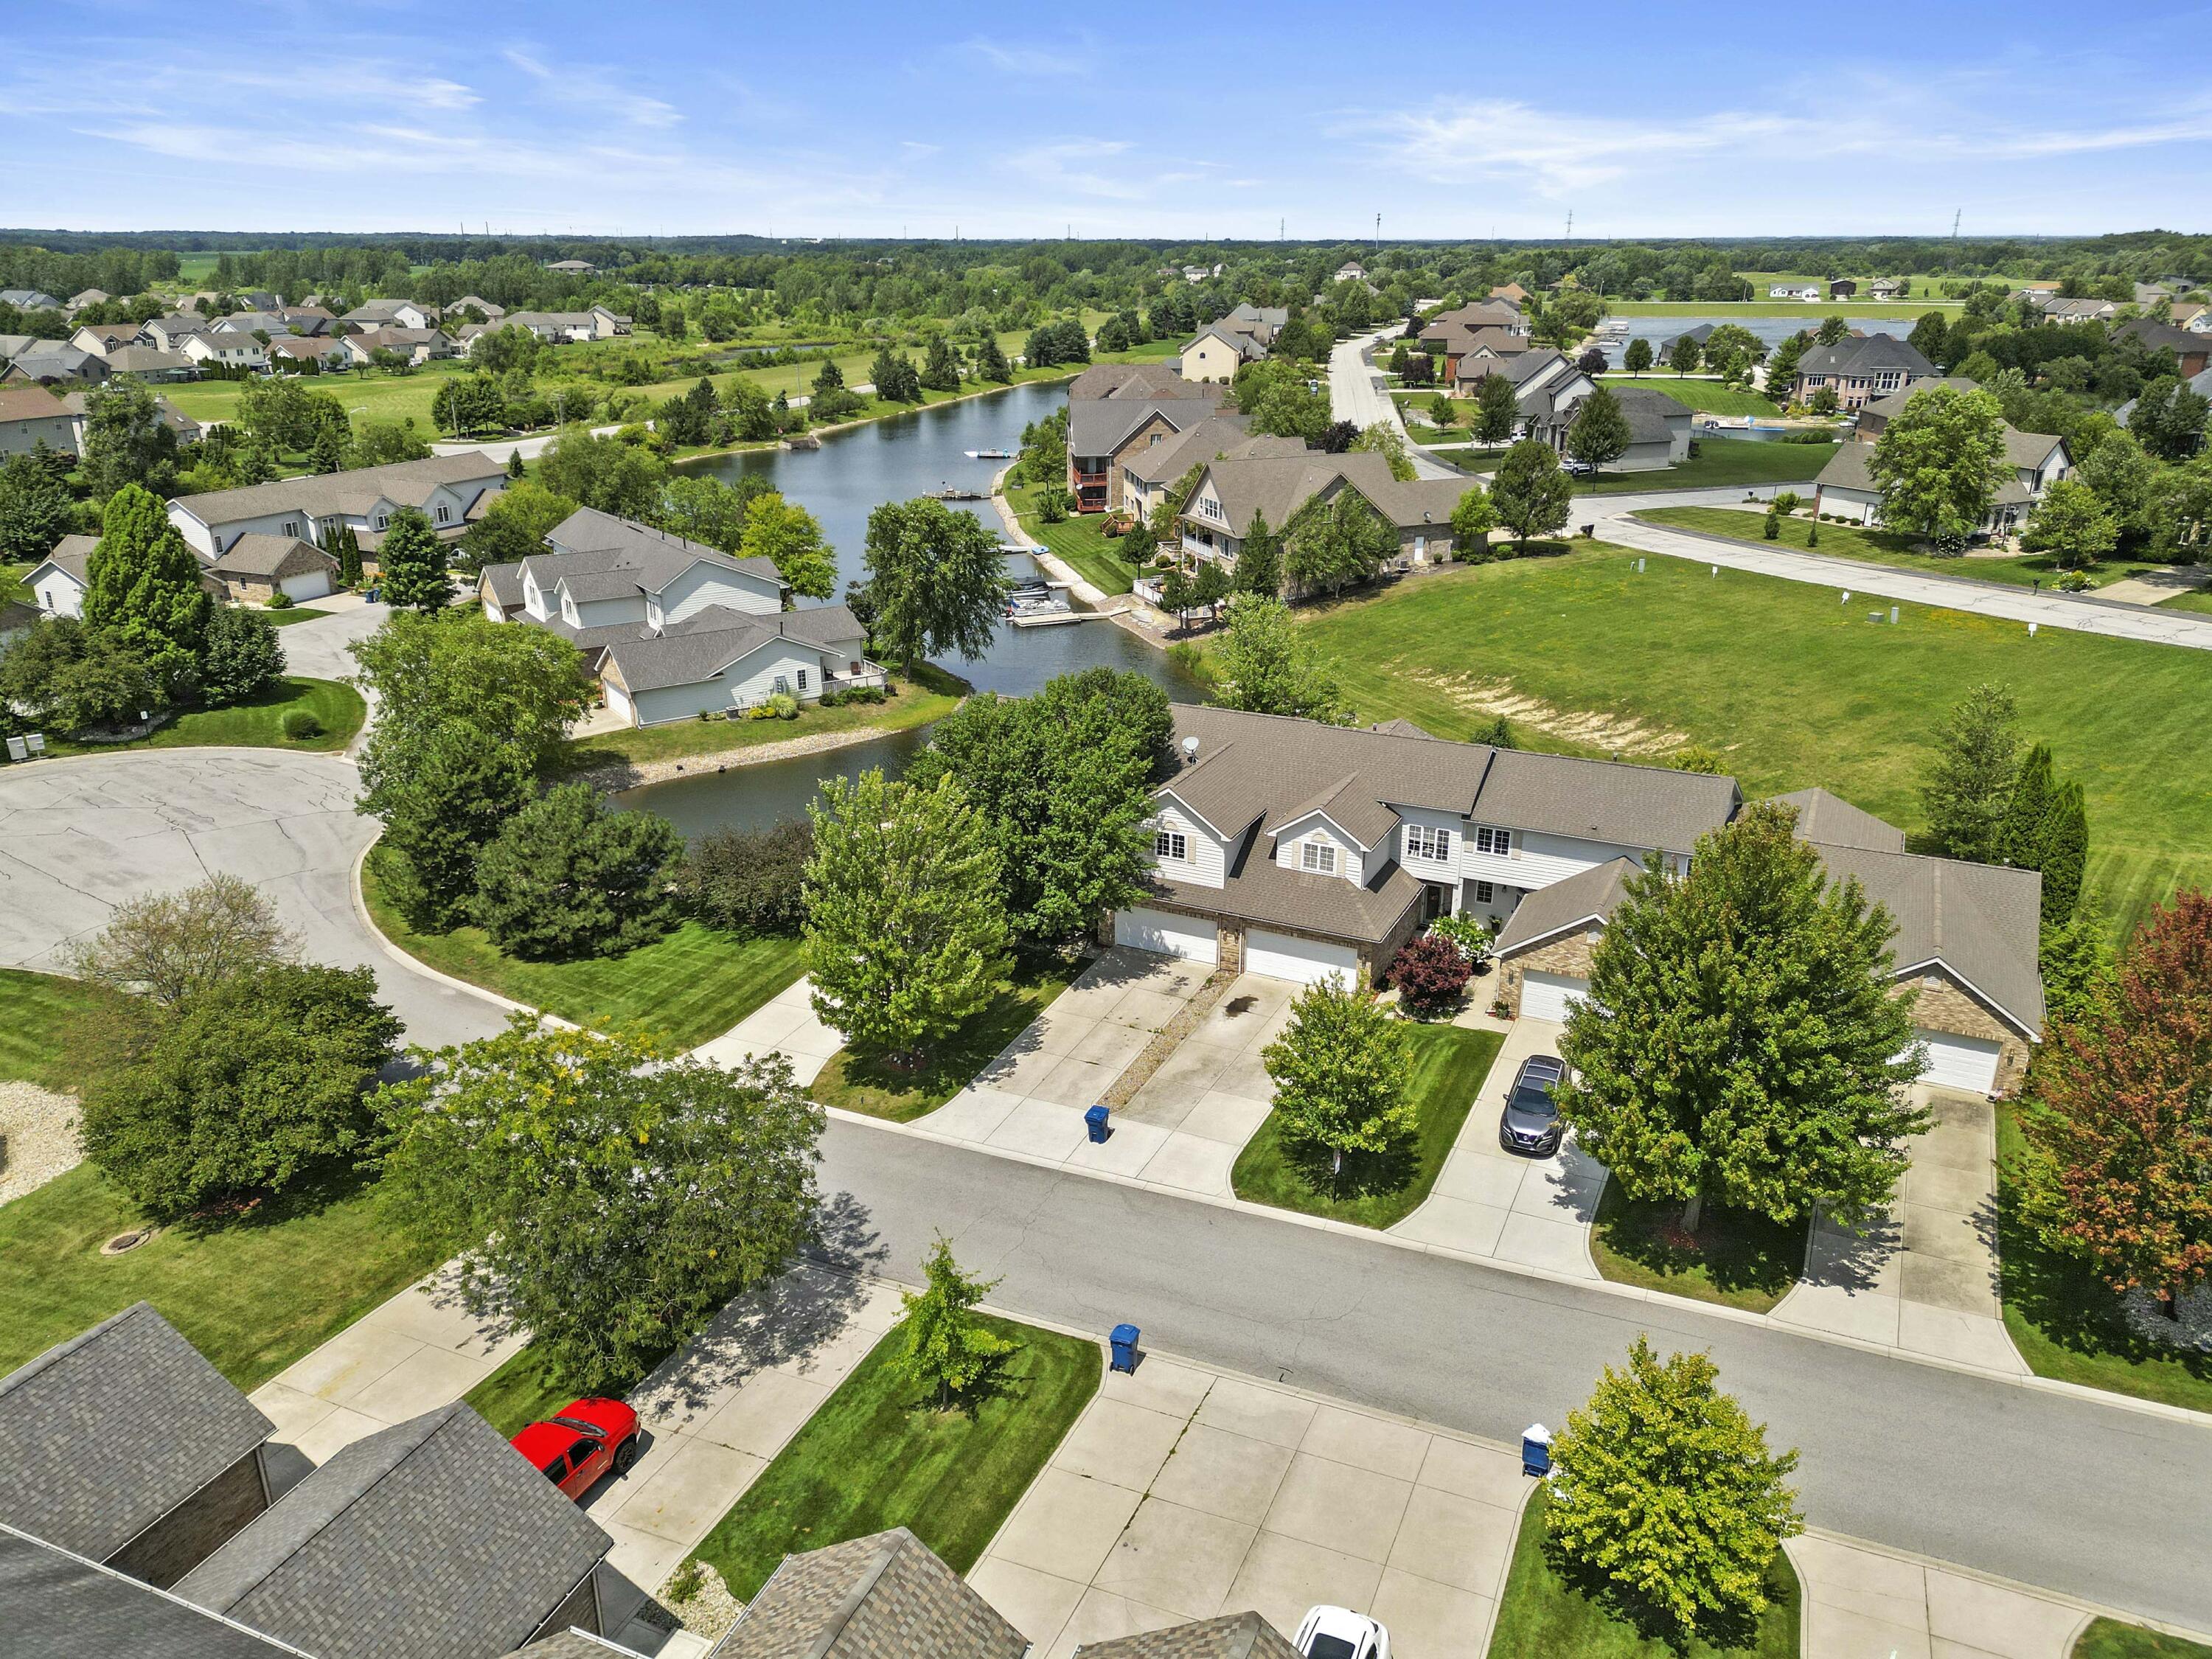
x=1569, y=956
x=196, y=1528
x=1946, y=1005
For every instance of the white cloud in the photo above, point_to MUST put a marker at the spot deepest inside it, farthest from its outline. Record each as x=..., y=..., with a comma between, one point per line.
x=589, y=89
x=1025, y=60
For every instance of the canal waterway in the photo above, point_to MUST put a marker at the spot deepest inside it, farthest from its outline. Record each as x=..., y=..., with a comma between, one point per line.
x=852, y=474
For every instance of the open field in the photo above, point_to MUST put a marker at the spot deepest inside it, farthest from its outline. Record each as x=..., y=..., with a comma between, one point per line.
x=1585, y=656
x=1843, y=541
x=1710, y=395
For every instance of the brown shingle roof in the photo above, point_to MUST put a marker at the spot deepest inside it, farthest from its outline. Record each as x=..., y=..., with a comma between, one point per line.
x=1826, y=817
x=1231, y=1636
x=884, y=1596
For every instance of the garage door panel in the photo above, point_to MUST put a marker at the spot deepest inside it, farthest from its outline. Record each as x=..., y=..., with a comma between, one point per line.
x=1550, y=996
x=1966, y=1064
x=1301, y=961
x=1191, y=937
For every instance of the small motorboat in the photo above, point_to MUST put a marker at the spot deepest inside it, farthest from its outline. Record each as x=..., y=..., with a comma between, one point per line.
x=990, y=455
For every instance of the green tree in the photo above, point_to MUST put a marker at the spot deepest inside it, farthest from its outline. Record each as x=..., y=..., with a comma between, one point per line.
x=991, y=362
x=1497, y=409
x=1740, y=1042
x=2072, y=525
x=1781, y=366
x=2079, y=967
x=1664, y=1493
x=1340, y=1070
x=1683, y=354
x=1330, y=544
x=1276, y=399
x=570, y=876
x=457, y=790
x=515, y=470
x=940, y=370
x=906, y=924
x=2064, y=854
x=1637, y=359
x=1266, y=669
x=515, y=525
x=895, y=380
x=1832, y=331
x=1530, y=493
x=748, y=882
x=1386, y=441
x=605, y=473
x=2168, y=418
x=36, y=510
x=935, y=580
x=2126, y=480
x=1938, y=463
x=1259, y=559
x=1968, y=783
x=949, y=1351
x=413, y=563
x=1599, y=434
x=240, y=656
x=603, y=1193
x=172, y=948
x=2020, y=834
x=126, y=442
x=790, y=537
x=144, y=594
x=253, y=1085
x=706, y=510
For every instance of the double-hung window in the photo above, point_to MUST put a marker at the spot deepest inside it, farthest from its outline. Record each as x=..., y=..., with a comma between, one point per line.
x=1424, y=842
x=1489, y=840
x=1485, y=893
x=1317, y=857
x=1170, y=844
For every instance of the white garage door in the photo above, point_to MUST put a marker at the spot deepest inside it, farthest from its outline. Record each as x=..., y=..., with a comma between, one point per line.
x=315, y=584
x=1968, y=1064
x=1301, y=961
x=618, y=701
x=1548, y=996
x=1187, y=937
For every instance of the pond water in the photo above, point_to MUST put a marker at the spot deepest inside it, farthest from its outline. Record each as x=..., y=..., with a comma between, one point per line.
x=840, y=483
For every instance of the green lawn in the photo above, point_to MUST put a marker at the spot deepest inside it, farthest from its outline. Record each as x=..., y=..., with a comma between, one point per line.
x=519, y=1393
x=2065, y=1322
x=12, y=587
x=1720, y=461
x=1710, y=395
x=1081, y=540
x=252, y=1295
x=871, y=1086
x=290, y=614
x=1737, y=1258
x=1543, y=1615
x=930, y=695
x=1788, y=687
x=2108, y=1638
x=257, y=723
x=2201, y=600
x=687, y=987
x=874, y=1456
x=1903, y=312
x=39, y=1038
x=1891, y=547
x=1375, y=1190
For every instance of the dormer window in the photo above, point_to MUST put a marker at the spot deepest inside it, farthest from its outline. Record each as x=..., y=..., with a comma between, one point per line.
x=1170, y=844
x=1317, y=857
x=1488, y=839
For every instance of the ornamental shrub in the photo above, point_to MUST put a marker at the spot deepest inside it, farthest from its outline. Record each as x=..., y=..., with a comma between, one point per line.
x=1431, y=973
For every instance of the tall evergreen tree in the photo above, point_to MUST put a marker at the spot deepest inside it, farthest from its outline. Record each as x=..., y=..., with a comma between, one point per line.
x=2065, y=853
x=1599, y=434
x=36, y=510
x=1497, y=409
x=991, y=361
x=2019, y=841
x=145, y=595
x=1968, y=784
x=1259, y=560
x=413, y=560
x=940, y=371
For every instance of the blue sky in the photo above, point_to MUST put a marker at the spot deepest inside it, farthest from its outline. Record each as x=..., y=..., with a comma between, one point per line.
x=879, y=119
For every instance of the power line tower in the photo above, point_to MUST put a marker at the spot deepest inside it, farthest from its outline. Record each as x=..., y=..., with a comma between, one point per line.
x=1955, y=217
x=1571, y=225
x=1378, y=233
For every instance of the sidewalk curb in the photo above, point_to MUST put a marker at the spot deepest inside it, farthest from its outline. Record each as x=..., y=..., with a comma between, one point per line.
x=416, y=964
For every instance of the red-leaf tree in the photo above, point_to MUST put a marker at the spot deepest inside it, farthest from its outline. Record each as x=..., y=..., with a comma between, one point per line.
x=2121, y=1115
x=1429, y=972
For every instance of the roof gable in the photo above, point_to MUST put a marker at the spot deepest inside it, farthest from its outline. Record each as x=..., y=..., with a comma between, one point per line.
x=884, y=1596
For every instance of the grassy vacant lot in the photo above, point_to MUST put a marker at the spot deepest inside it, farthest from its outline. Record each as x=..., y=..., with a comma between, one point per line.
x=876, y=1455
x=930, y=695
x=39, y=1038
x=252, y=1295
x=1710, y=395
x=2065, y=1322
x=1720, y=461
x=2108, y=1638
x=1738, y=1260
x=871, y=1086
x=1588, y=657
x=1449, y=1064
x=1544, y=1616
x=258, y=723
x=691, y=985
x=1081, y=540
x=1892, y=547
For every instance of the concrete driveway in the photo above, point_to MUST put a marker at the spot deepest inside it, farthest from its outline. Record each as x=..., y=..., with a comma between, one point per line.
x=78, y=836
x=316, y=648
x=1488, y=1201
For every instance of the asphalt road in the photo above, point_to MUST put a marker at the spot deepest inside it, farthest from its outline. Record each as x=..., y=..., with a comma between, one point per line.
x=2109, y=1505
x=1355, y=394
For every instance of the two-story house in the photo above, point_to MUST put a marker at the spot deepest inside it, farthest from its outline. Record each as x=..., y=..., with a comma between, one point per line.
x=227, y=349
x=1149, y=474
x=30, y=415
x=1256, y=480
x=2033, y=461
x=449, y=490
x=391, y=314
x=1860, y=369
x=1103, y=432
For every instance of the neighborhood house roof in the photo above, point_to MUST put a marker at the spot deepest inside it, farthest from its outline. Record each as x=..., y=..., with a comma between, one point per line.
x=588, y=540
x=431, y=1539
x=271, y=557
x=1826, y=817
x=111, y=1431
x=146, y=359
x=705, y=643
x=1651, y=414
x=1861, y=357
x=1890, y=404
x=1173, y=457
x=1231, y=1636
x=1097, y=426
x=61, y=1606
x=1138, y=380
x=403, y=483
x=31, y=403
x=1278, y=485
x=72, y=556
x=884, y=1596
x=1565, y=907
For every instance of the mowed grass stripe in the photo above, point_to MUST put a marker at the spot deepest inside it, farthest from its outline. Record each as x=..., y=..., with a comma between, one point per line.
x=1791, y=688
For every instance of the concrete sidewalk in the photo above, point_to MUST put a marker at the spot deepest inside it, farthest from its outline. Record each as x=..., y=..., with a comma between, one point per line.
x=786, y=1025
x=1865, y=1602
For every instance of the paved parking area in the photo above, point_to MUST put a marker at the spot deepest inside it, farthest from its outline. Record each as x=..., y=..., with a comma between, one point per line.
x=1923, y=1277
x=1182, y=1493
x=1488, y=1201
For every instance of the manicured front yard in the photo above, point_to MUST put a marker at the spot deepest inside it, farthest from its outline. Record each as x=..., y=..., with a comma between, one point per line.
x=1710, y=395
x=252, y=1295
x=1377, y=1190
x=1890, y=547
x=2066, y=1323
x=2201, y=600
x=39, y=1040
x=1544, y=1616
x=1081, y=540
x=1789, y=688
x=929, y=696
x=687, y=987
x=876, y=1455
x=258, y=723
x=519, y=1393
x=1735, y=1259
x=1718, y=462
x=871, y=1086
x=2108, y=1638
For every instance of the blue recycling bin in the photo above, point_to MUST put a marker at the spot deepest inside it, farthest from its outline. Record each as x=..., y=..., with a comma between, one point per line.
x=1124, y=1341
x=1536, y=1450
x=1095, y=1121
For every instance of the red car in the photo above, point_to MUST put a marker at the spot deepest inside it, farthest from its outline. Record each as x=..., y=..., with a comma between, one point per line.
x=588, y=1439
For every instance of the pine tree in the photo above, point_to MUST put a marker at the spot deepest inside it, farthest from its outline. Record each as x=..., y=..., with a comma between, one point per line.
x=144, y=594
x=1259, y=560
x=1968, y=784
x=991, y=361
x=2064, y=852
x=413, y=560
x=940, y=371
x=2019, y=841
x=514, y=468
x=350, y=571
x=1498, y=410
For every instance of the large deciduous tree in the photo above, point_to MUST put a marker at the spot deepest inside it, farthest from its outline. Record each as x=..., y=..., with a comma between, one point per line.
x=906, y=919
x=240, y=656
x=570, y=876
x=1328, y=544
x=935, y=578
x=36, y=509
x=1968, y=785
x=1473, y=518
x=1497, y=408
x=790, y=538
x=1339, y=1069
x=513, y=526
x=172, y=947
x=1939, y=462
x=126, y=441
x=144, y=595
x=603, y=1193
x=1530, y=492
x=1265, y=668
x=2072, y=525
x=1738, y=1042
x=412, y=560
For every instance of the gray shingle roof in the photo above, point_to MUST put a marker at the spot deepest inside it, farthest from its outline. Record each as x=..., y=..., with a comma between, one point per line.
x=1865, y=356
x=146, y=359
x=1166, y=461
x=1589, y=896
x=404, y=483
x=74, y=555
x=1849, y=469
x=1278, y=485
x=1827, y=818
x=112, y=1429
x=710, y=640
x=1098, y=426
x=1138, y=380
x=256, y=555
x=1982, y=922
x=1231, y=1636
x=1639, y=807
x=884, y=1596
x=61, y=1606
x=1890, y=404
x=590, y=540
x=431, y=1539
x=1652, y=415
x=1260, y=889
